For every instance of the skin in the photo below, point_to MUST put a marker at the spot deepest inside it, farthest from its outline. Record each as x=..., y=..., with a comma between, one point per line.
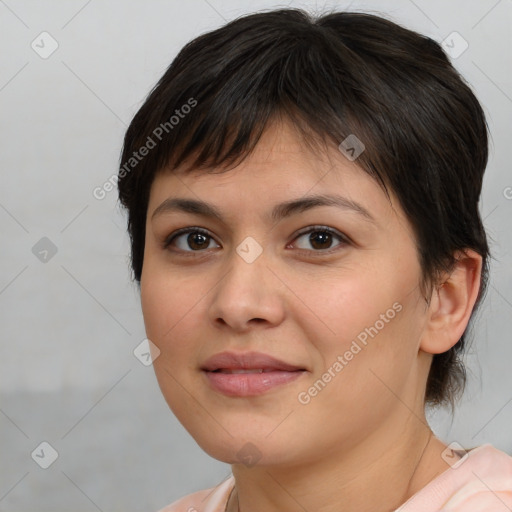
x=363, y=440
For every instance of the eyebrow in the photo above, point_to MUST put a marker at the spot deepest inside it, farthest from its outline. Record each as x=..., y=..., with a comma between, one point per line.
x=280, y=211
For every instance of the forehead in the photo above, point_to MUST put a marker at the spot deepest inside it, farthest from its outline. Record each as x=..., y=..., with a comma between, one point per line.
x=280, y=168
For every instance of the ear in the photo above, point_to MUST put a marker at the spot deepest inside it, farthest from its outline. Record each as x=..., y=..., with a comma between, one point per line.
x=452, y=303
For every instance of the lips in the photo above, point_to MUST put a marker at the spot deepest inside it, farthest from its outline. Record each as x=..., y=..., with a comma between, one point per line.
x=246, y=361
x=235, y=370
x=248, y=373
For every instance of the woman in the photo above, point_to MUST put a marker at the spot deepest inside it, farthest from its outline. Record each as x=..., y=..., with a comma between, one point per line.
x=303, y=197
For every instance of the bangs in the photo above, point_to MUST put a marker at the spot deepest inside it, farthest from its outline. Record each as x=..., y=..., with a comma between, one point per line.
x=274, y=75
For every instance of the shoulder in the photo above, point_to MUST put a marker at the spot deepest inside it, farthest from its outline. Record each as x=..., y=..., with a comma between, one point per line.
x=207, y=500
x=488, y=484
x=479, y=481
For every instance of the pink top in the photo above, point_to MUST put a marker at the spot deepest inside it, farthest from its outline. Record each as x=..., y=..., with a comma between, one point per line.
x=479, y=482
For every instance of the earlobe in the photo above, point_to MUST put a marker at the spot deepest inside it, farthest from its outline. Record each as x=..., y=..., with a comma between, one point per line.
x=452, y=303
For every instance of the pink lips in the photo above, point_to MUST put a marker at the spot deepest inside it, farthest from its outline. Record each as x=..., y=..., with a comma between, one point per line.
x=248, y=373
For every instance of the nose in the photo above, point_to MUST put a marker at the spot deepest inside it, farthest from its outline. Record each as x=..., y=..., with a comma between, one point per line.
x=248, y=295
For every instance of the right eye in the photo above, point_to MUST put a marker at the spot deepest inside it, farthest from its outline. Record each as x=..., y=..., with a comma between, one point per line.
x=197, y=240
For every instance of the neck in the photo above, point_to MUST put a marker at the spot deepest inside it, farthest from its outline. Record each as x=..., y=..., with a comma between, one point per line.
x=377, y=474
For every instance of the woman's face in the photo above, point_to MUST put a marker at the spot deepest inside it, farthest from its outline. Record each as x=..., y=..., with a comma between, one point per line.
x=342, y=308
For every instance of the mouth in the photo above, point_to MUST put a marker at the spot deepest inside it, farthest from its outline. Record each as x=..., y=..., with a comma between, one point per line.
x=248, y=374
x=234, y=370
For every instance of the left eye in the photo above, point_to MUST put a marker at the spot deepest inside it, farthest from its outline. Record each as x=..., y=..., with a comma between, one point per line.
x=320, y=238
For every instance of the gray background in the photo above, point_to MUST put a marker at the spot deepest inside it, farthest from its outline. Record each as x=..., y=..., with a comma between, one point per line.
x=70, y=323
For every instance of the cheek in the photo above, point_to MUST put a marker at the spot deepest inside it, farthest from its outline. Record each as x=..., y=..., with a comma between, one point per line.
x=380, y=356
x=369, y=318
x=344, y=305
x=170, y=306
x=171, y=322
x=175, y=311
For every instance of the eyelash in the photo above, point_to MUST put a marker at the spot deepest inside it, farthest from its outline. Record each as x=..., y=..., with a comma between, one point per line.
x=311, y=229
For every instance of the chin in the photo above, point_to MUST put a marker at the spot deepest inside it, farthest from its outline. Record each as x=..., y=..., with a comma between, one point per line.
x=243, y=446
x=243, y=451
